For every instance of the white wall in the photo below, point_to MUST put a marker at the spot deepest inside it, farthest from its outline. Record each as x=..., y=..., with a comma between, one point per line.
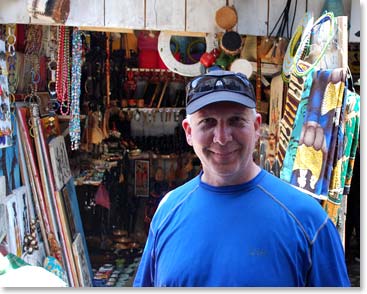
x=198, y=16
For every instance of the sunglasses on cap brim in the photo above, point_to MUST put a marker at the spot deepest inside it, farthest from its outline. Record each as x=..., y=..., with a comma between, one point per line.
x=206, y=84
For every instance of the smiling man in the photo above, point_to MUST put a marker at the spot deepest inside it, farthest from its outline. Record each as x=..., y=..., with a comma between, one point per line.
x=236, y=225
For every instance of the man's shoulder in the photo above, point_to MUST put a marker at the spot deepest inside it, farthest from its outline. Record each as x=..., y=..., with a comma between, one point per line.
x=176, y=196
x=297, y=203
x=286, y=191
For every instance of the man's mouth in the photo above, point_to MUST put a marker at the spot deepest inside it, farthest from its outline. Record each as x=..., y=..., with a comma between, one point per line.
x=223, y=153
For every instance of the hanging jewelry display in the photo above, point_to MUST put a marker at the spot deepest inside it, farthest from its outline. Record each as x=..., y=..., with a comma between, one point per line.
x=62, y=72
x=31, y=58
x=11, y=61
x=52, y=67
x=5, y=119
x=76, y=69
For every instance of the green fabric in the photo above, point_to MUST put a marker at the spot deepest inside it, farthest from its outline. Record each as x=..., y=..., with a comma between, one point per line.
x=352, y=125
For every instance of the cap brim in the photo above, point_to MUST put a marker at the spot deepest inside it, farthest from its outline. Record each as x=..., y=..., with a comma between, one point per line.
x=220, y=96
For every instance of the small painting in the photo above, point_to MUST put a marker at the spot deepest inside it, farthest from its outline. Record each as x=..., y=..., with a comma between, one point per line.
x=14, y=236
x=59, y=161
x=66, y=203
x=142, y=178
x=85, y=279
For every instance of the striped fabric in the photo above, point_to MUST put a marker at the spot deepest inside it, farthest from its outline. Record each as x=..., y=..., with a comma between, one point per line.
x=293, y=98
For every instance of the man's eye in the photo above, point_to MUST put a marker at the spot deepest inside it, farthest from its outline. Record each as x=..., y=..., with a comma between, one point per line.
x=208, y=121
x=236, y=120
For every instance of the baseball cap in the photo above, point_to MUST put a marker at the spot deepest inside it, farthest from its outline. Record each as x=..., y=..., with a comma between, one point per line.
x=219, y=86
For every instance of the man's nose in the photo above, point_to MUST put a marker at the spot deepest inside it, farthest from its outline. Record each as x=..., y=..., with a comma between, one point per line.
x=222, y=134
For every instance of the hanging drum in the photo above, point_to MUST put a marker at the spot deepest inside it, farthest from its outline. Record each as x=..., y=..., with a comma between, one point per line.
x=231, y=43
x=243, y=66
x=226, y=17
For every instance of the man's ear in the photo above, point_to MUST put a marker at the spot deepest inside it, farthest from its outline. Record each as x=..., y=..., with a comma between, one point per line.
x=187, y=128
x=257, y=124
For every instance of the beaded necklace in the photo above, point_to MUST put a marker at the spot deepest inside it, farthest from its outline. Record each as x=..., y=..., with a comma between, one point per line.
x=76, y=70
x=62, y=72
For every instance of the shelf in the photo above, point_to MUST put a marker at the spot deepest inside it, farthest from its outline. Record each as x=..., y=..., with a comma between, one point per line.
x=267, y=69
x=68, y=117
x=154, y=109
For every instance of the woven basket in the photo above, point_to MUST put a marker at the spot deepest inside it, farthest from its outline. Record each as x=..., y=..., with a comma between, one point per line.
x=226, y=17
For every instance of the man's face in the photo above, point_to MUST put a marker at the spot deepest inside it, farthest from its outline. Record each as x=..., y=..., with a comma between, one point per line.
x=223, y=136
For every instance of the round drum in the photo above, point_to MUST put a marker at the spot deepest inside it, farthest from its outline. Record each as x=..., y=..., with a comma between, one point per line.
x=243, y=66
x=231, y=43
x=226, y=17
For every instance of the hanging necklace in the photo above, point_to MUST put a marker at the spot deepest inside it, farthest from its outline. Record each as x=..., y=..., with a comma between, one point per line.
x=76, y=69
x=62, y=72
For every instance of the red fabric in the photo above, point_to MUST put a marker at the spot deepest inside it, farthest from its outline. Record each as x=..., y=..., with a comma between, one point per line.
x=161, y=64
x=20, y=34
x=148, y=41
x=148, y=58
x=103, y=197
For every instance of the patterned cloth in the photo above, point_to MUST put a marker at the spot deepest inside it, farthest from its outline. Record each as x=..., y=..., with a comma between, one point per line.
x=295, y=90
x=316, y=152
x=291, y=150
x=343, y=169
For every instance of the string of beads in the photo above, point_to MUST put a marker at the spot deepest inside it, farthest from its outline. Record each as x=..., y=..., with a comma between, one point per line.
x=76, y=69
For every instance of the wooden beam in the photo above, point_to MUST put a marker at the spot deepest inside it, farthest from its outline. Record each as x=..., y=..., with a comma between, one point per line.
x=106, y=29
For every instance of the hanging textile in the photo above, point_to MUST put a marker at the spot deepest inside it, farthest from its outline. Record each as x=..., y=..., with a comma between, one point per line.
x=291, y=150
x=315, y=153
x=293, y=98
x=350, y=128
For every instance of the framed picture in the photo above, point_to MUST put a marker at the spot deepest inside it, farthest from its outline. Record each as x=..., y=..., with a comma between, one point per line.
x=67, y=238
x=3, y=218
x=81, y=262
x=22, y=199
x=59, y=161
x=66, y=203
x=142, y=178
x=70, y=202
x=14, y=236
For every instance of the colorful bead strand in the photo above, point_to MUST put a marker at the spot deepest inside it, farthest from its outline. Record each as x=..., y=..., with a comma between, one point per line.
x=76, y=70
